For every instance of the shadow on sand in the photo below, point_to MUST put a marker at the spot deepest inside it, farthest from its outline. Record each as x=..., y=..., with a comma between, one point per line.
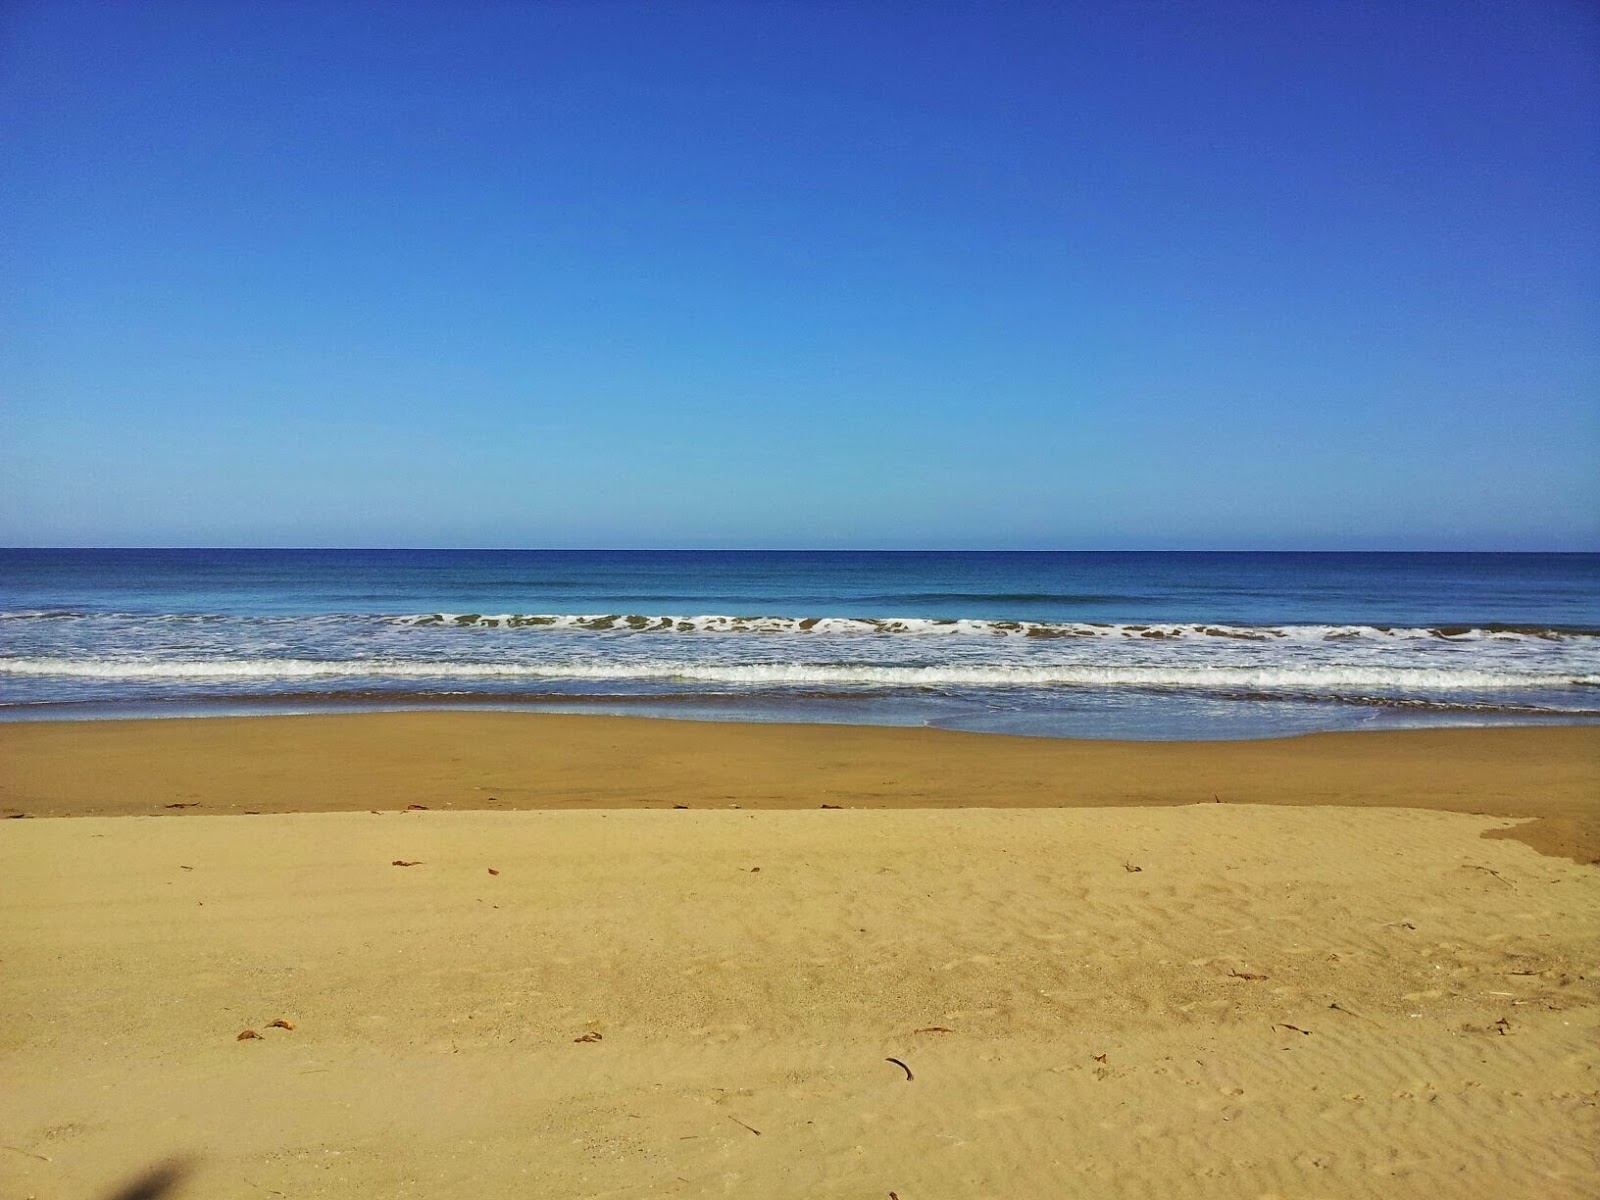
x=155, y=1183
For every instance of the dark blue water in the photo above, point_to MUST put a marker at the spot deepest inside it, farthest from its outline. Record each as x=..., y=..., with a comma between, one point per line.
x=1085, y=644
x=1551, y=590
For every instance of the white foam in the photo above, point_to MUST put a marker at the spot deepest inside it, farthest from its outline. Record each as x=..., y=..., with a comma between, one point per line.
x=1334, y=678
x=968, y=626
x=838, y=626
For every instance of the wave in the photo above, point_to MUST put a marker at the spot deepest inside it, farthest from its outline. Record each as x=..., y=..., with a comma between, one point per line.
x=626, y=623
x=1274, y=678
x=639, y=623
x=180, y=618
x=406, y=694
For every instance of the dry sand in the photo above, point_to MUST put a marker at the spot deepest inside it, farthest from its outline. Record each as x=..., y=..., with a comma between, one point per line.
x=1312, y=1001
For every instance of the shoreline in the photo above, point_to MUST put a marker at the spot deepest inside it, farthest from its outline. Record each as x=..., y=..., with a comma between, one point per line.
x=723, y=710
x=1546, y=777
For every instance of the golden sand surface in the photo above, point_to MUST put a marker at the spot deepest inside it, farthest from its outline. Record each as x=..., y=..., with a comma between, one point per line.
x=1323, y=996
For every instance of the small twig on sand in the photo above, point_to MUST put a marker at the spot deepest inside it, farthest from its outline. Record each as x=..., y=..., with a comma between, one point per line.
x=751, y=1128
x=1491, y=871
x=29, y=1153
x=903, y=1067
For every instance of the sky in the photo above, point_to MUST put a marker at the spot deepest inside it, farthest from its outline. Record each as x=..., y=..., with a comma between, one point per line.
x=877, y=274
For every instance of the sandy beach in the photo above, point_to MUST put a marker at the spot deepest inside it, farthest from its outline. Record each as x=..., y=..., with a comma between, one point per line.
x=855, y=963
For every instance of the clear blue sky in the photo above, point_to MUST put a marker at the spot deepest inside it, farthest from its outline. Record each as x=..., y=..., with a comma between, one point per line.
x=1248, y=275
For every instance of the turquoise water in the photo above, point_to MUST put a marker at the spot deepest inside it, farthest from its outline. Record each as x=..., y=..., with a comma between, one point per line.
x=1071, y=644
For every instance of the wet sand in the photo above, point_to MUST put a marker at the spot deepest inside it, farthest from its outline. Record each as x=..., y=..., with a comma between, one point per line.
x=499, y=761
x=1337, y=981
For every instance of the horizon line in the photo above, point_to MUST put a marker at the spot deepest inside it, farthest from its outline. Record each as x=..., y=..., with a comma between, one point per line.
x=789, y=549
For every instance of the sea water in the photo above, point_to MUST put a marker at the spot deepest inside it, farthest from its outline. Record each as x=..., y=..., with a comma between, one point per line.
x=1138, y=645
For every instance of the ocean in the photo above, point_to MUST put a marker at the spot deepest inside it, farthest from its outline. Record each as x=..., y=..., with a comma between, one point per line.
x=1125, y=645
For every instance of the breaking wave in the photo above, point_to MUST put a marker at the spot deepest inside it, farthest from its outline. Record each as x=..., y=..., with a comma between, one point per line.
x=838, y=626
x=638, y=623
